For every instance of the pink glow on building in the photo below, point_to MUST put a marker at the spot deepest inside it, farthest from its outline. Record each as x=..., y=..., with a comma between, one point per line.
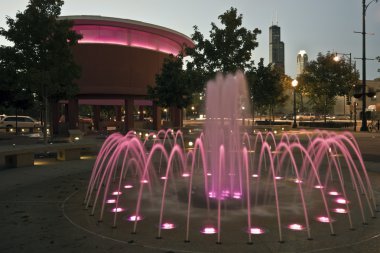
x=125, y=36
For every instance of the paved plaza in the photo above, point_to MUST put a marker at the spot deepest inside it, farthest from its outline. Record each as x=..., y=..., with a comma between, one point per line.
x=41, y=212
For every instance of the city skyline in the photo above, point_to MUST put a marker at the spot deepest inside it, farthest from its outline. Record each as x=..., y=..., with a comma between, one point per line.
x=312, y=26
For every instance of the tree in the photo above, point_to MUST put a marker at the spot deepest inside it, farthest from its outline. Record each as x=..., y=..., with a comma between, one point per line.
x=266, y=85
x=229, y=48
x=173, y=86
x=325, y=79
x=42, y=44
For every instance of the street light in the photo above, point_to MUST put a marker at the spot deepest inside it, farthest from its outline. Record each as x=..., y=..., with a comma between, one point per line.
x=364, y=116
x=294, y=85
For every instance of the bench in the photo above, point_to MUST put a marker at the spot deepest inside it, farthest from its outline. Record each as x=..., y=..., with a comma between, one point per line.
x=271, y=128
x=23, y=156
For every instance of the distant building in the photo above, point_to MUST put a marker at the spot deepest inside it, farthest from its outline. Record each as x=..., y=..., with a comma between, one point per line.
x=301, y=62
x=276, y=48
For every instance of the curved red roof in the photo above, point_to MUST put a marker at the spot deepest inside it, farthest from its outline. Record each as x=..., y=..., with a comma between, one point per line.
x=106, y=30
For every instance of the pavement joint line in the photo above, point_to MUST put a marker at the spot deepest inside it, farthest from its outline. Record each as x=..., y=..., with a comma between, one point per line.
x=110, y=238
x=346, y=245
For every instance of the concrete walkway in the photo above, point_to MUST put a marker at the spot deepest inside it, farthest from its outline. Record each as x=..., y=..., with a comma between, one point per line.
x=33, y=217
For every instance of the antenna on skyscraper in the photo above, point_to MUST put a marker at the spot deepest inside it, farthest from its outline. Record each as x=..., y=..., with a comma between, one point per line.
x=276, y=18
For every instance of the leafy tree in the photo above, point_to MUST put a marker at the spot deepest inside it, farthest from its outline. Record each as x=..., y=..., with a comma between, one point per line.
x=266, y=86
x=229, y=48
x=41, y=43
x=173, y=85
x=325, y=79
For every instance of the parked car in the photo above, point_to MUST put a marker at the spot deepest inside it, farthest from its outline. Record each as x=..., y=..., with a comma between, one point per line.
x=9, y=122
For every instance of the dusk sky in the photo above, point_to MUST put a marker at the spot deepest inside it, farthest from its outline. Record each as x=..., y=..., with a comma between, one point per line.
x=314, y=26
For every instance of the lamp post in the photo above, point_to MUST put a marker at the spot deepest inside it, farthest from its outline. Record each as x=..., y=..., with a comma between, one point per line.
x=294, y=85
x=364, y=116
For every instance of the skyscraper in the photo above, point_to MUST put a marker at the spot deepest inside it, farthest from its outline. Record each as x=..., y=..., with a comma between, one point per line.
x=301, y=61
x=276, y=48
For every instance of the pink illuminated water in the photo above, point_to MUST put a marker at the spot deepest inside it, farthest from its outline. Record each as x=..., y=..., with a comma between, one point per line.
x=231, y=177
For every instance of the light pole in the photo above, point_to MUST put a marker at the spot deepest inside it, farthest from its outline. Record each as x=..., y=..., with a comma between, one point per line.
x=294, y=85
x=364, y=127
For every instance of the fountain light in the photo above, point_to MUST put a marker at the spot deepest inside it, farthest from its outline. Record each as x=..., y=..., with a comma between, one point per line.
x=128, y=186
x=237, y=195
x=111, y=201
x=154, y=136
x=208, y=230
x=167, y=226
x=191, y=143
x=212, y=195
x=163, y=178
x=324, y=219
x=146, y=135
x=255, y=175
x=278, y=178
x=116, y=193
x=256, y=231
x=144, y=181
x=341, y=201
x=117, y=210
x=296, y=227
x=186, y=174
x=298, y=181
x=319, y=186
x=339, y=210
x=226, y=193
x=209, y=174
x=333, y=193
x=134, y=218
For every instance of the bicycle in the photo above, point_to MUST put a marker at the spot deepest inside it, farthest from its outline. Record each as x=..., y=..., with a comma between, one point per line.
x=373, y=126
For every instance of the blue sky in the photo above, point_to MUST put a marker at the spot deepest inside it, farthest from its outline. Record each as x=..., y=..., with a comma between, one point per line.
x=311, y=25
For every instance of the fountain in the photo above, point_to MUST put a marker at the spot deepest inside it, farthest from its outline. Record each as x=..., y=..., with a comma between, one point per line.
x=230, y=183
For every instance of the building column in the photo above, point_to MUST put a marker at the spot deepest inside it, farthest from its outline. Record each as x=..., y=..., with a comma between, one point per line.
x=96, y=112
x=156, y=114
x=73, y=114
x=176, y=117
x=128, y=117
x=141, y=112
x=55, y=114
x=118, y=113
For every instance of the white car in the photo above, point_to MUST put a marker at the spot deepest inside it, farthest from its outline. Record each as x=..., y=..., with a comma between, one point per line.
x=9, y=122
